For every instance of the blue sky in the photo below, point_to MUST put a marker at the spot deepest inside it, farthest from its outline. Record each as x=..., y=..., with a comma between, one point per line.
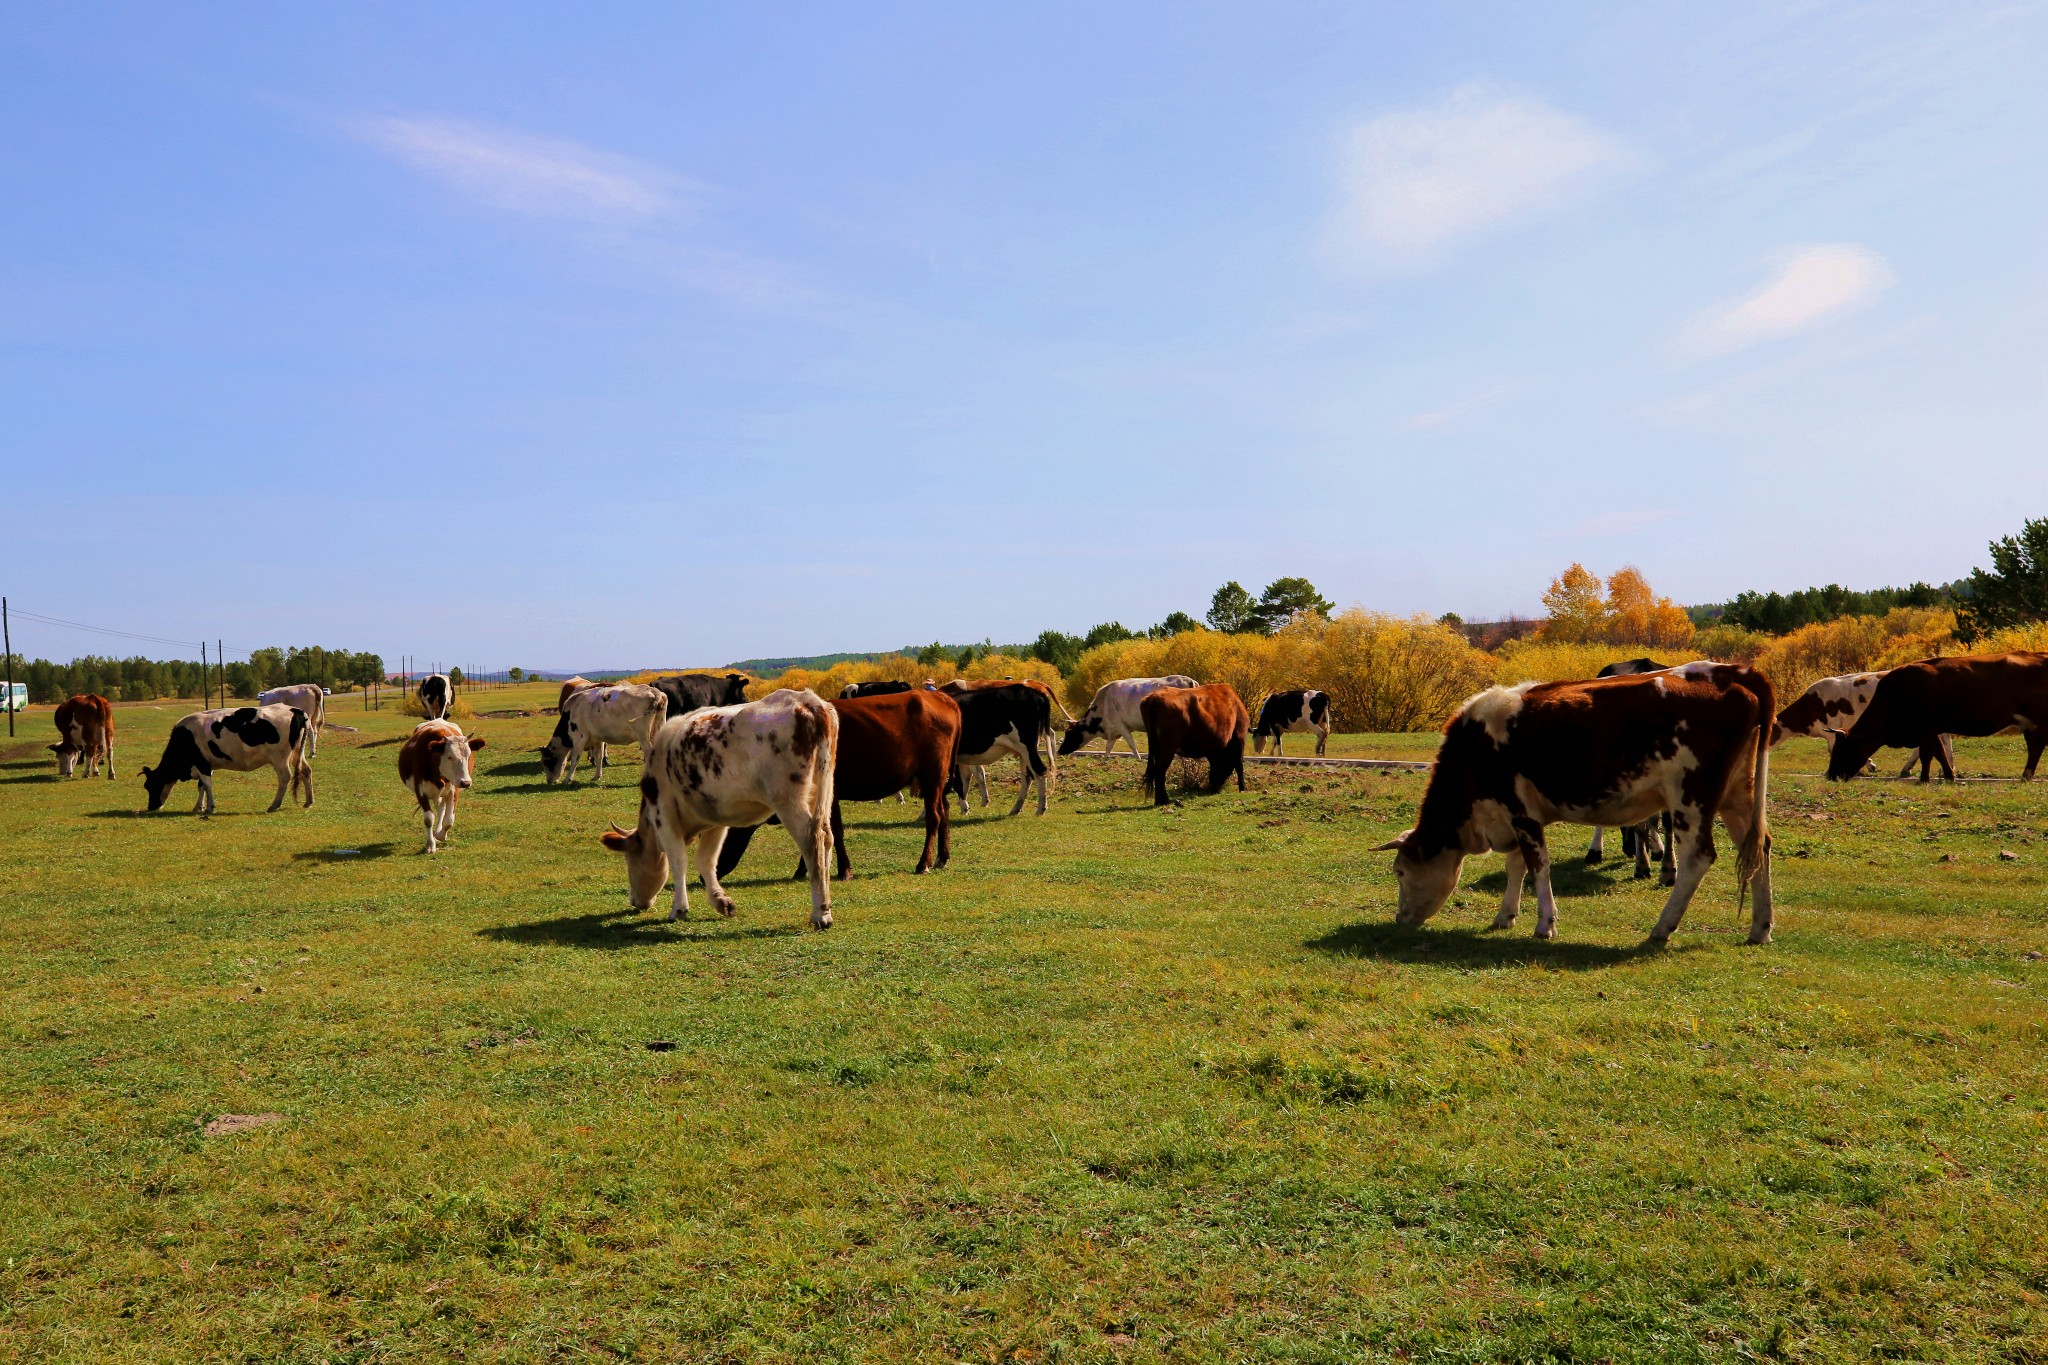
x=676, y=334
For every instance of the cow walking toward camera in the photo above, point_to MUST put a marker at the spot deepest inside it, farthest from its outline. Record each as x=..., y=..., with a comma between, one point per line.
x=436, y=693
x=624, y=713
x=729, y=767
x=437, y=765
x=85, y=731
x=1915, y=705
x=1194, y=722
x=308, y=697
x=1694, y=741
x=237, y=741
x=1113, y=713
x=1303, y=711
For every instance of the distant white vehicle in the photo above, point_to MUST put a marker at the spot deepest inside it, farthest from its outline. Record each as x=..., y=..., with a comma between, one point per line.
x=16, y=698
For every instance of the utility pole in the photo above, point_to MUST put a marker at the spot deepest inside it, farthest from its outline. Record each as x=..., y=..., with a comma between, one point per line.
x=7, y=642
x=220, y=667
x=205, y=680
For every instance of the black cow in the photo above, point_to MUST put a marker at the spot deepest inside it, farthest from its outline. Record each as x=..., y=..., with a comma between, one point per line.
x=687, y=692
x=872, y=689
x=999, y=722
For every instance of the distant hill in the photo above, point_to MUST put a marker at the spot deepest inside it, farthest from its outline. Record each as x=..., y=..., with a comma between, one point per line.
x=769, y=668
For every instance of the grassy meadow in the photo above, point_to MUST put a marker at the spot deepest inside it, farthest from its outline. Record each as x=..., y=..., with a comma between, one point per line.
x=1118, y=1085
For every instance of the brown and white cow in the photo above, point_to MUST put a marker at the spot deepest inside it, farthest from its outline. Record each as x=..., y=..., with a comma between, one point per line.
x=1972, y=694
x=887, y=743
x=623, y=713
x=1832, y=705
x=437, y=764
x=571, y=686
x=308, y=697
x=1694, y=741
x=239, y=741
x=1194, y=722
x=727, y=767
x=85, y=729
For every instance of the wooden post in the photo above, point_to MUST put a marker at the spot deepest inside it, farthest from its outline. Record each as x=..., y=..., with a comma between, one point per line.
x=205, y=680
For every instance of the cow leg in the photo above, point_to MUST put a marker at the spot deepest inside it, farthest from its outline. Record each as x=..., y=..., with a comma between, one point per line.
x=1593, y=853
x=676, y=845
x=981, y=784
x=1322, y=738
x=710, y=844
x=2037, y=739
x=1642, y=842
x=735, y=848
x=1667, y=874
x=845, y=862
x=431, y=817
x=598, y=755
x=1278, y=735
x=960, y=789
x=1693, y=832
x=305, y=774
x=1511, y=894
x=284, y=783
x=810, y=833
x=448, y=817
x=1130, y=738
x=1024, y=791
x=938, y=816
x=1237, y=761
x=1535, y=853
x=1034, y=768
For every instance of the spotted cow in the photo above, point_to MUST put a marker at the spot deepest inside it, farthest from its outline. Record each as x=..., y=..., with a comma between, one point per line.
x=621, y=713
x=1832, y=705
x=238, y=741
x=1694, y=740
x=1915, y=704
x=1303, y=711
x=437, y=764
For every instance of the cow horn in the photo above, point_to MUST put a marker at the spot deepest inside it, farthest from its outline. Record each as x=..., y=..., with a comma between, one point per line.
x=616, y=830
x=1396, y=842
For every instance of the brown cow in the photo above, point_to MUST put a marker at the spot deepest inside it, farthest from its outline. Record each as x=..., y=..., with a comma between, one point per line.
x=887, y=743
x=1194, y=722
x=85, y=729
x=1972, y=694
x=570, y=688
x=437, y=764
x=1695, y=741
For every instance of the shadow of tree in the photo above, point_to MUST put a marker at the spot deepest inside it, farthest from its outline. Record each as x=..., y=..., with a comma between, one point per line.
x=611, y=930
x=1386, y=941
x=336, y=855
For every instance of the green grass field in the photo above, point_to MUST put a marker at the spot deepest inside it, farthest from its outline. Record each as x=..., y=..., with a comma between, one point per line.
x=1120, y=1084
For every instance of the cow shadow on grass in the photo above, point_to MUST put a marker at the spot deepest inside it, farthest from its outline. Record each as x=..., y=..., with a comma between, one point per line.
x=50, y=776
x=623, y=928
x=380, y=743
x=525, y=767
x=1464, y=948
x=340, y=855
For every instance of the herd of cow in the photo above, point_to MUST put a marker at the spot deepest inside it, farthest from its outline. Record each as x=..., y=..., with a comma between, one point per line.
x=1643, y=745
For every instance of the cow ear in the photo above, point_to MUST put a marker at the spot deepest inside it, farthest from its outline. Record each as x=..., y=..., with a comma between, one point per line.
x=1838, y=734
x=619, y=840
x=1398, y=841
x=55, y=748
x=477, y=741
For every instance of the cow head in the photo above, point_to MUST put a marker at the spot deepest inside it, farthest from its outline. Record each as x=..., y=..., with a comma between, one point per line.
x=554, y=755
x=1427, y=880
x=1080, y=732
x=646, y=864
x=735, y=689
x=453, y=760
x=1847, y=754
x=67, y=757
x=157, y=784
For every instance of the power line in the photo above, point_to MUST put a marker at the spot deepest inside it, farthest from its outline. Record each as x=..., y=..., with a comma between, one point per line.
x=99, y=630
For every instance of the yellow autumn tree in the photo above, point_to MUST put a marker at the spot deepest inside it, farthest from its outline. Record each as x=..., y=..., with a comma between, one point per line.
x=1576, y=605
x=1637, y=616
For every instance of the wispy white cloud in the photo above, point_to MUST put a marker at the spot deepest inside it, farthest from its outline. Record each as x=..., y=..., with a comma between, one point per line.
x=1414, y=182
x=523, y=173
x=1464, y=407
x=1810, y=286
x=1620, y=523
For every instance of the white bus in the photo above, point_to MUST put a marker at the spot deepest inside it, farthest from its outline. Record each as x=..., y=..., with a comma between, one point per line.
x=16, y=698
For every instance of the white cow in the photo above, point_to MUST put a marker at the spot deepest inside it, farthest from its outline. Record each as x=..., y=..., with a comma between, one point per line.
x=239, y=741
x=624, y=713
x=437, y=765
x=724, y=766
x=1113, y=713
x=308, y=697
x=1831, y=706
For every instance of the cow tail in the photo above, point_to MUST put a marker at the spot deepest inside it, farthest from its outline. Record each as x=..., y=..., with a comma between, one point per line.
x=822, y=761
x=1750, y=858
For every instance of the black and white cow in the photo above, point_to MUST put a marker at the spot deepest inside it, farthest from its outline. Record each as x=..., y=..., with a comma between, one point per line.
x=239, y=741
x=1304, y=711
x=308, y=697
x=437, y=694
x=997, y=723
x=687, y=692
x=887, y=687
x=622, y=713
x=733, y=766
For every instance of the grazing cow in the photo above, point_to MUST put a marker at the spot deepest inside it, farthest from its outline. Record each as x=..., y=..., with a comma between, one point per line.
x=723, y=769
x=1832, y=705
x=1641, y=842
x=1695, y=741
x=1112, y=714
x=960, y=686
x=437, y=765
x=887, y=743
x=998, y=722
x=570, y=687
x=436, y=694
x=1195, y=722
x=238, y=741
x=621, y=713
x=1915, y=704
x=308, y=697
x=1304, y=711
x=687, y=692
x=884, y=688
x=85, y=729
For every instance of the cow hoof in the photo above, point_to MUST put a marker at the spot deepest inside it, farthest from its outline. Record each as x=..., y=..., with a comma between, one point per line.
x=724, y=907
x=1545, y=935
x=1756, y=942
x=1592, y=859
x=1657, y=940
x=1502, y=922
x=822, y=922
x=1642, y=874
